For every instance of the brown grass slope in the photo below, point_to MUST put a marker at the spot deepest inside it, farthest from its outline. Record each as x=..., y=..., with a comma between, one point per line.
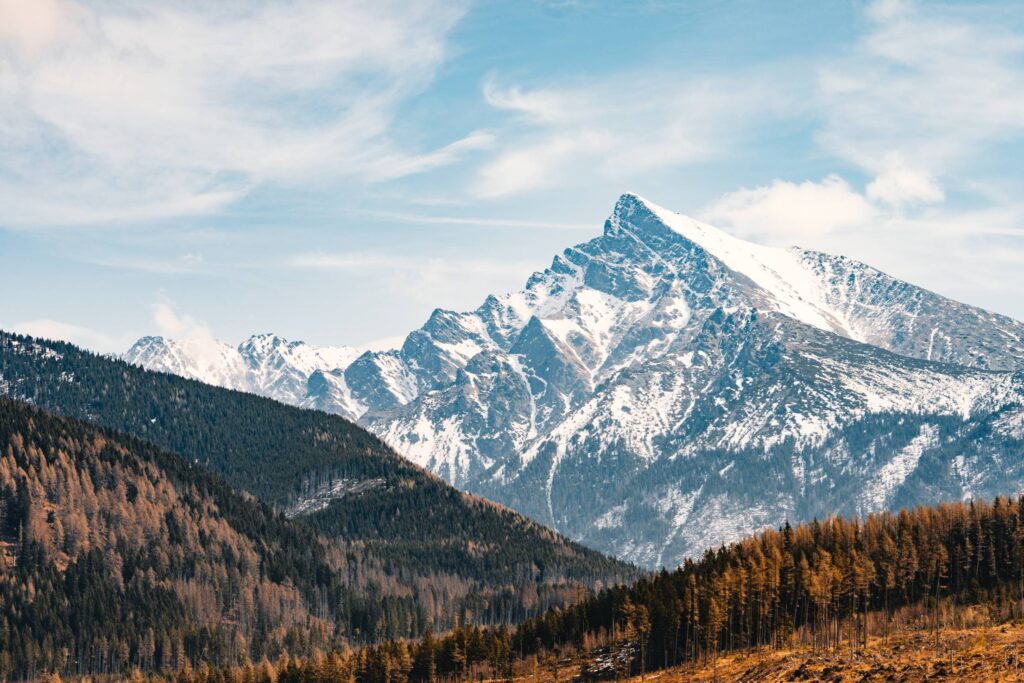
x=981, y=653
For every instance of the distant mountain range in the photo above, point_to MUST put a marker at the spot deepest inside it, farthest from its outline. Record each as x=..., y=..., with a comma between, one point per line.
x=667, y=387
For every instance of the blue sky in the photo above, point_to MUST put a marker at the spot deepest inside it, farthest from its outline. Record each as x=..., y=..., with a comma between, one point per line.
x=333, y=171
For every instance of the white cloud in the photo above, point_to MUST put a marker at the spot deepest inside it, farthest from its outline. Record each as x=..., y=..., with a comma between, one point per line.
x=121, y=111
x=540, y=163
x=76, y=334
x=620, y=126
x=784, y=211
x=898, y=186
x=920, y=93
x=178, y=326
x=885, y=10
x=195, y=336
x=33, y=26
x=971, y=255
x=923, y=97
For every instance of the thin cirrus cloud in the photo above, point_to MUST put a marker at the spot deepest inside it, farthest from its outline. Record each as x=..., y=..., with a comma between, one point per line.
x=919, y=93
x=924, y=89
x=357, y=261
x=627, y=124
x=265, y=122
x=462, y=281
x=118, y=111
x=480, y=221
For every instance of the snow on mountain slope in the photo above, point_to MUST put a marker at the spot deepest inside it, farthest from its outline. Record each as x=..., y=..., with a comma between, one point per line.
x=281, y=369
x=780, y=273
x=264, y=364
x=666, y=386
x=854, y=300
x=211, y=362
x=646, y=292
x=892, y=475
x=327, y=390
x=895, y=315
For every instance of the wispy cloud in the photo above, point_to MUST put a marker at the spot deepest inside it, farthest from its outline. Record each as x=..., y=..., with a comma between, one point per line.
x=621, y=125
x=915, y=104
x=426, y=265
x=120, y=111
x=480, y=222
x=196, y=337
x=454, y=281
x=178, y=325
x=924, y=89
x=970, y=254
x=165, y=264
x=237, y=132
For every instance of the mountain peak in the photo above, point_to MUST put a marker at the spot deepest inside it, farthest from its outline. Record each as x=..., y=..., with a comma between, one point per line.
x=265, y=339
x=642, y=213
x=149, y=340
x=660, y=341
x=778, y=272
x=635, y=211
x=628, y=201
x=267, y=343
x=641, y=217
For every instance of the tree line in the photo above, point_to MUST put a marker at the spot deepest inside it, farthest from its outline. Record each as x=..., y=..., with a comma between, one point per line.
x=819, y=581
x=820, y=584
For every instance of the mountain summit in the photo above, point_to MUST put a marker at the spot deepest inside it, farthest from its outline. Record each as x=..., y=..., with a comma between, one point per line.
x=667, y=387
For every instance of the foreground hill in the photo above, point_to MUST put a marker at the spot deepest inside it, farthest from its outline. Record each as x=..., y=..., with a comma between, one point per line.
x=666, y=387
x=828, y=585
x=799, y=603
x=414, y=549
x=116, y=554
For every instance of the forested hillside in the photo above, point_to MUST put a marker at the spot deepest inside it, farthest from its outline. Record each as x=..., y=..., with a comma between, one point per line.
x=414, y=551
x=818, y=581
x=257, y=445
x=827, y=588
x=116, y=554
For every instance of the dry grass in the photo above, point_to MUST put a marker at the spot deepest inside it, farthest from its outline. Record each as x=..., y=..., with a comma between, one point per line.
x=989, y=653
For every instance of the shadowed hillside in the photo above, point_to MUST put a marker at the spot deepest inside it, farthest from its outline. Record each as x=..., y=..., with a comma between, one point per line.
x=417, y=551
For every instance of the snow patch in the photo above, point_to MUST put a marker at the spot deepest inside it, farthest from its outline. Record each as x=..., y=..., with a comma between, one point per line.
x=892, y=475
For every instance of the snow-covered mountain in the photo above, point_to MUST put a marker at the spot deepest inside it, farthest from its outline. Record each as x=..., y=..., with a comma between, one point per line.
x=666, y=387
x=263, y=364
